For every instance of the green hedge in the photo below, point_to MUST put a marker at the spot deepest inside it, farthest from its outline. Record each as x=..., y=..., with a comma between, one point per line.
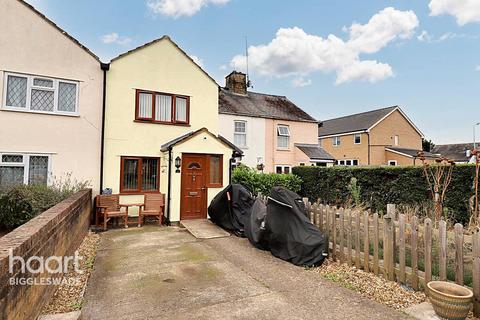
x=382, y=185
x=264, y=182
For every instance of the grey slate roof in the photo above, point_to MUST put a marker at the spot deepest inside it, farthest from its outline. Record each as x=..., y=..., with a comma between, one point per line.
x=412, y=152
x=314, y=151
x=261, y=105
x=355, y=122
x=455, y=152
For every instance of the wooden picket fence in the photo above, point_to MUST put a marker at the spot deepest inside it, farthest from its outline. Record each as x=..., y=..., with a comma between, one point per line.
x=392, y=246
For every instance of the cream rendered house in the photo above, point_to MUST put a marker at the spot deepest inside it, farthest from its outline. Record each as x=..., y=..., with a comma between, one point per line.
x=161, y=130
x=51, y=91
x=273, y=133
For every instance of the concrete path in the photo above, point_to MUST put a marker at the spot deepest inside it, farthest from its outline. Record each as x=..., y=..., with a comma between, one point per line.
x=166, y=273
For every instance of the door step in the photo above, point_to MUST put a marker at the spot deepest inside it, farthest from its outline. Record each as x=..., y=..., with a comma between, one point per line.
x=204, y=229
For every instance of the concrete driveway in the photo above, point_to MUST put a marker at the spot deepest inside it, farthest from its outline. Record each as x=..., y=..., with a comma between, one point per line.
x=166, y=273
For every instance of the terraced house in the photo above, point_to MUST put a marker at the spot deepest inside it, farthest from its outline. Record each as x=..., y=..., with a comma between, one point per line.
x=273, y=133
x=161, y=130
x=378, y=137
x=50, y=101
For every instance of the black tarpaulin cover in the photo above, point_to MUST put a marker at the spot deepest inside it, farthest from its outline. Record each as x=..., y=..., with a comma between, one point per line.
x=291, y=235
x=255, y=226
x=231, y=207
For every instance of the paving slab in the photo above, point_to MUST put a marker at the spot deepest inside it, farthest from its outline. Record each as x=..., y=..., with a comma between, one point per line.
x=422, y=311
x=166, y=273
x=204, y=229
x=61, y=316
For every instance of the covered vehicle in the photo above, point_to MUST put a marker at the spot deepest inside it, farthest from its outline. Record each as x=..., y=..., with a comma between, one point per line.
x=231, y=207
x=255, y=229
x=290, y=234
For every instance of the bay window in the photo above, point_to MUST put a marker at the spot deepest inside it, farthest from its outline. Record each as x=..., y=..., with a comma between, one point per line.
x=162, y=107
x=23, y=168
x=40, y=94
x=139, y=174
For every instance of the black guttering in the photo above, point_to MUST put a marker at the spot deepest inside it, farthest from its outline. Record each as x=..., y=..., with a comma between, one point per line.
x=169, y=187
x=105, y=67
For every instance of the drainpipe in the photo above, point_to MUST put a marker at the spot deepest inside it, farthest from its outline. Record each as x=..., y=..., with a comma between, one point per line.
x=368, y=138
x=169, y=187
x=105, y=67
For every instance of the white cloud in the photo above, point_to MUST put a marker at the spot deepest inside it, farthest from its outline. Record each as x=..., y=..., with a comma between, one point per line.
x=477, y=67
x=465, y=11
x=424, y=37
x=295, y=53
x=197, y=60
x=301, y=82
x=115, y=38
x=178, y=8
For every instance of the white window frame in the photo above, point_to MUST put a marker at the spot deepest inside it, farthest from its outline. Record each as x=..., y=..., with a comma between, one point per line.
x=359, y=138
x=392, y=163
x=336, y=142
x=30, y=86
x=240, y=133
x=26, y=163
x=283, y=168
x=288, y=135
x=343, y=162
x=396, y=139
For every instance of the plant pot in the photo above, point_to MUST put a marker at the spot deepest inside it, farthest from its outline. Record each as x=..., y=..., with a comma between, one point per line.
x=449, y=300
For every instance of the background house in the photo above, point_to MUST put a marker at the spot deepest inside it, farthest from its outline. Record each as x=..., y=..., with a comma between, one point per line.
x=456, y=151
x=161, y=130
x=378, y=137
x=271, y=130
x=50, y=101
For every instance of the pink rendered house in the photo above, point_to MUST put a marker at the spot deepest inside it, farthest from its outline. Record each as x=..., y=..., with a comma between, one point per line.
x=273, y=133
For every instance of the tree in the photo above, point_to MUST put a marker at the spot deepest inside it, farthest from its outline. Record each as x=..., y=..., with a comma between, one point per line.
x=427, y=145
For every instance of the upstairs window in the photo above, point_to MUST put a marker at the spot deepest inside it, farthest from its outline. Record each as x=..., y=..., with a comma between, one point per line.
x=162, y=107
x=283, y=137
x=395, y=140
x=357, y=138
x=336, y=141
x=40, y=94
x=240, y=134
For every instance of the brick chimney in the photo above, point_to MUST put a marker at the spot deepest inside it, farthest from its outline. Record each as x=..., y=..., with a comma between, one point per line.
x=236, y=82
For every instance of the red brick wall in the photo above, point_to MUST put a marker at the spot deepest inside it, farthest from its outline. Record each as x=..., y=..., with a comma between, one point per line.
x=56, y=232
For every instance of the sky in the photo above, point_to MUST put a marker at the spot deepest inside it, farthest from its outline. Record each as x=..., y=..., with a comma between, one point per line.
x=330, y=57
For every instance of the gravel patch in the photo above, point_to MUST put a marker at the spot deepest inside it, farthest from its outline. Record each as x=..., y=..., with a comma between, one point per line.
x=69, y=296
x=370, y=286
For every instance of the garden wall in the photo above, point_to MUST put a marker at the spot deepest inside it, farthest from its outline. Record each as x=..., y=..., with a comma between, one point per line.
x=382, y=185
x=56, y=232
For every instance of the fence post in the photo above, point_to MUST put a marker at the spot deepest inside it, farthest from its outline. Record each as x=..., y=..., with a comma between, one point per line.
x=401, y=248
x=317, y=217
x=326, y=211
x=342, y=236
x=414, y=253
x=366, y=243
x=428, y=250
x=375, y=244
x=349, y=237
x=442, y=249
x=357, y=239
x=334, y=233
x=476, y=274
x=459, y=254
x=389, y=242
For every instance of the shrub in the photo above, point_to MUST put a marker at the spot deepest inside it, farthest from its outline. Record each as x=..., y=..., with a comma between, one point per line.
x=20, y=203
x=382, y=185
x=264, y=182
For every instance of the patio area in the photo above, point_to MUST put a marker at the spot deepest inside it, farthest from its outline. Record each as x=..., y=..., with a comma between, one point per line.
x=166, y=273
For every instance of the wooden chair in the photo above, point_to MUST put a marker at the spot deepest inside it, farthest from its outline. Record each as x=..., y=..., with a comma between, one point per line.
x=108, y=207
x=153, y=207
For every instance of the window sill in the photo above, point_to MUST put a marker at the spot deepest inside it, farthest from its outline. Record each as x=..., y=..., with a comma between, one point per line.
x=284, y=149
x=74, y=115
x=132, y=193
x=164, y=123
